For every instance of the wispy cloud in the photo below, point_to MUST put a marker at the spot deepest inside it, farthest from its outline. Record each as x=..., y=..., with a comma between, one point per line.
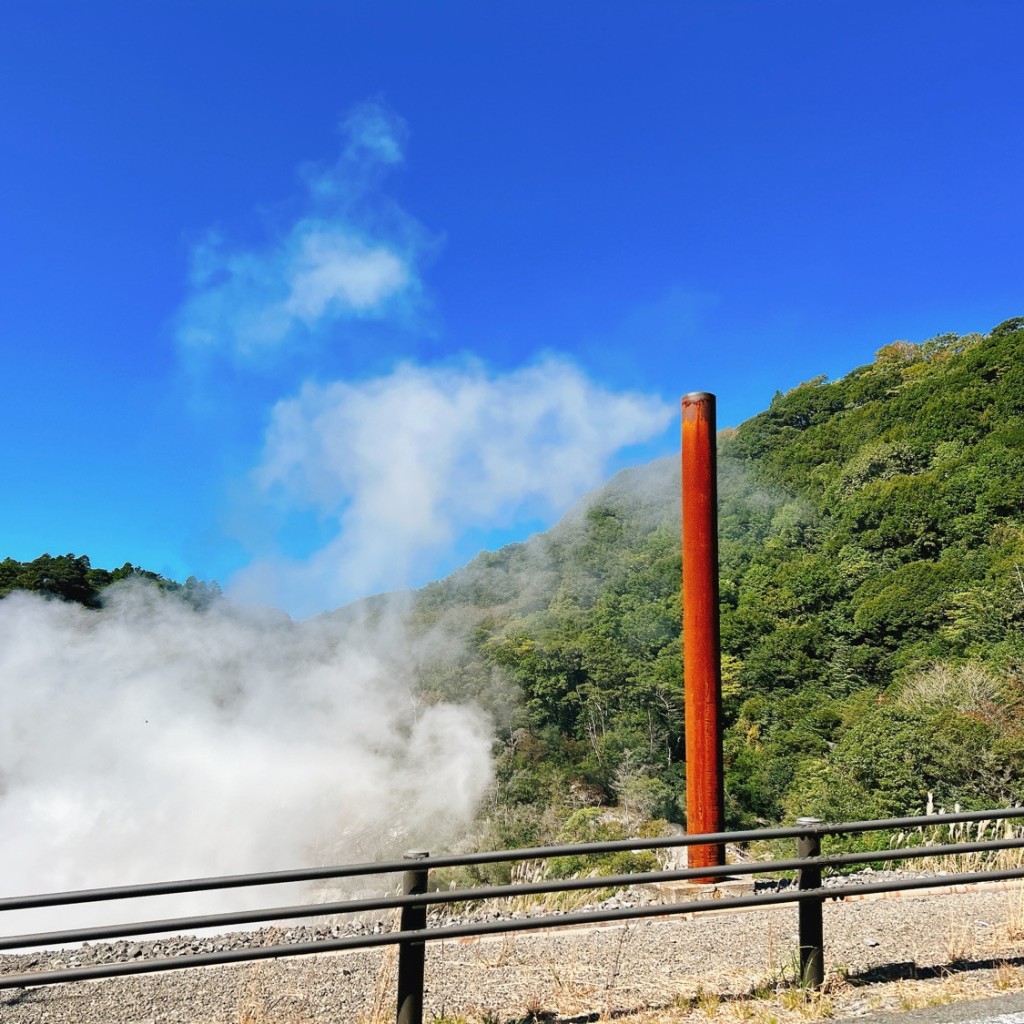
x=376, y=481
x=341, y=258
x=370, y=128
x=401, y=464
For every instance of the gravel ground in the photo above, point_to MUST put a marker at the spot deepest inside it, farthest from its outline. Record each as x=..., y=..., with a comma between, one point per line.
x=576, y=973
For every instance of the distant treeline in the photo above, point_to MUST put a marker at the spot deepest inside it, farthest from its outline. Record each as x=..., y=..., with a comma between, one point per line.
x=72, y=578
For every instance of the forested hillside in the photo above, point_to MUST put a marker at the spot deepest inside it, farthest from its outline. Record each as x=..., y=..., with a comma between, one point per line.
x=872, y=587
x=872, y=564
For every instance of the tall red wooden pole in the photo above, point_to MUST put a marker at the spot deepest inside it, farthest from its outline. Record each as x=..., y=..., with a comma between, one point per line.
x=702, y=663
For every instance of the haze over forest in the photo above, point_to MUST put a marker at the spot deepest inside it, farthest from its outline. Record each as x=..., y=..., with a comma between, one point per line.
x=872, y=599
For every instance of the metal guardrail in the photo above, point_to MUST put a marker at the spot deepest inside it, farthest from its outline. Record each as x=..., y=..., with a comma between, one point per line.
x=413, y=931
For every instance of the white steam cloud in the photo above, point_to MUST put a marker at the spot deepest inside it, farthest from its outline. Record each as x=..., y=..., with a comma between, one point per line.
x=401, y=464
x=149, y=740
x=344, y=258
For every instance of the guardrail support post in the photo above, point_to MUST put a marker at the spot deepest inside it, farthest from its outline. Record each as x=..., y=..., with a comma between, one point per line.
x=411, y=955
x=812, y=928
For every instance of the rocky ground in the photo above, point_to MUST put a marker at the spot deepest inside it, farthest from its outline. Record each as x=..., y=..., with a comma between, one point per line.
x=695, y=961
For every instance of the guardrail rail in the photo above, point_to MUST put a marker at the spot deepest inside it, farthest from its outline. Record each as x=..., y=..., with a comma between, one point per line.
x=415, y=898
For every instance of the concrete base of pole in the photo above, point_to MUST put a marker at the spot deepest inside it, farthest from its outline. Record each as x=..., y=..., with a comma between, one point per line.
x=700, y=888
x=720, y=888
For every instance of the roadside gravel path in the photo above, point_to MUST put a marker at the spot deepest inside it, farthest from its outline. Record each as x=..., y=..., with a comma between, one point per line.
x=575, y=973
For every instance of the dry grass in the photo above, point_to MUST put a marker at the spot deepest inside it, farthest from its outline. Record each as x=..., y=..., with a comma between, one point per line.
x=779, y=999
x=264, y=1001
x=963, y=832
x=382, y=1003
x=773, y=1003
x=976, y=969
x=1013, y=926
x=978, y=963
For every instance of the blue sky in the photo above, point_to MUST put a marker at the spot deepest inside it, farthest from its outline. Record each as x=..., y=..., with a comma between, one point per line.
x=320, y=298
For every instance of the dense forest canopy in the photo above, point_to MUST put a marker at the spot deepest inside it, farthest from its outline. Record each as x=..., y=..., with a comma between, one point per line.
x=872, y=599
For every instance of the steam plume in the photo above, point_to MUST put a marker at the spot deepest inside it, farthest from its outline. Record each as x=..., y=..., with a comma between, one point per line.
x=152, y=740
